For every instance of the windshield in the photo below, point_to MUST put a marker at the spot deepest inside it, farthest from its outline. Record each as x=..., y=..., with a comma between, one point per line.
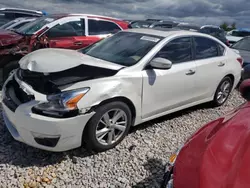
x=243, y=44
x=5, y=26
x=123, y=48
x=32, y=27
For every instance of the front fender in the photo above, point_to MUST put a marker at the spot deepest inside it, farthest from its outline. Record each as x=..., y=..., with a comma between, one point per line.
x=108, y=88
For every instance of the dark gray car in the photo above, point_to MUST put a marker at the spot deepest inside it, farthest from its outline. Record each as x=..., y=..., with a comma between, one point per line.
x=243, y=46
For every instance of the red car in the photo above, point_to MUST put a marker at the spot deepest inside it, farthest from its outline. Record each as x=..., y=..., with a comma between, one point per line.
x=217, y=155
x=71, y=31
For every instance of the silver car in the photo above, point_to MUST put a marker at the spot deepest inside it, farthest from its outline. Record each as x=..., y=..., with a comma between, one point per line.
x=60, y=98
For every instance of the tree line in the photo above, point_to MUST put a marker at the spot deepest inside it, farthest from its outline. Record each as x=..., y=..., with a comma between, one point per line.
x=228, y=27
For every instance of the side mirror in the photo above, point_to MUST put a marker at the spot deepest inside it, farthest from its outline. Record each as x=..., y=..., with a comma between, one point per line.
x=160, y=63
x=245, y=89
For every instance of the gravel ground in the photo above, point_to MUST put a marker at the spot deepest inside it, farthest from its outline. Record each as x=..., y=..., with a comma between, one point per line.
x=137, y=162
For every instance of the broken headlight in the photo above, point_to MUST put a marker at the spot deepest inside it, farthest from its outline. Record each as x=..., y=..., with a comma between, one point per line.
x=61, y=105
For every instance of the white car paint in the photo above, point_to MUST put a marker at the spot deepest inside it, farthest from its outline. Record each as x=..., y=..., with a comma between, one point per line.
x=153, y=93
x=68, y=59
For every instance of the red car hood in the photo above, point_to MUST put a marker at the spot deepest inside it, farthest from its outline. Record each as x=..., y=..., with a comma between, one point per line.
x=8, y=37
x=218, y=155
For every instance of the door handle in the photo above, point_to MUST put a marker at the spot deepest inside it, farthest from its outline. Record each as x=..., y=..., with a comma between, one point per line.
x=190, y=72
x=78, y=43
x=221, y=64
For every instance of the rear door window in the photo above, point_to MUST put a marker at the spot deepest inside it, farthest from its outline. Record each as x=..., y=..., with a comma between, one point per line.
x=99, y=27
x=206, y=48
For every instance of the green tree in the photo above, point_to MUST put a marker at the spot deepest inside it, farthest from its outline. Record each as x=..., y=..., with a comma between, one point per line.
x=224, y=26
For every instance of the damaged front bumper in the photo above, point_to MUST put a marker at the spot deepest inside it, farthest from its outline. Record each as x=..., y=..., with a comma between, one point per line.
x=47, y=133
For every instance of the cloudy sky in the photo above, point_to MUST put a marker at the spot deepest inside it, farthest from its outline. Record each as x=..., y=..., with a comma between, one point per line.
x=196, y=11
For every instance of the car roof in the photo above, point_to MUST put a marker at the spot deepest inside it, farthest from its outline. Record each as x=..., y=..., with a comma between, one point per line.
x=210, y=26
x=58, y=16
x=22, y=11
x=164, y=32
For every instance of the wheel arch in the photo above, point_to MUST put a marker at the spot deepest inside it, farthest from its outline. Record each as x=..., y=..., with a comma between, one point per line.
x=121, y=99
x=231, y=76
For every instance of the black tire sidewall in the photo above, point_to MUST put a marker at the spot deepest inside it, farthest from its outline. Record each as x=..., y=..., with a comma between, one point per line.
x=8, y=68
x=215, y=101
x=89, y=135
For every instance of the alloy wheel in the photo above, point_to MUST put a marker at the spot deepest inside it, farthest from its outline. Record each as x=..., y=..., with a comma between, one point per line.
x=111, y=126
x=224, y=91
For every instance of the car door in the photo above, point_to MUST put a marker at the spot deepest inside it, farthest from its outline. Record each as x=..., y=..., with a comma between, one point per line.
x=166, y=90
x=210, y=62
x=99, y=29
x=69, y=35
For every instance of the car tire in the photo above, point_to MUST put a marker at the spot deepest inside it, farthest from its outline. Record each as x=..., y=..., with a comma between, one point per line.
x=104, y=131
x=223, y=91
x=9, y=68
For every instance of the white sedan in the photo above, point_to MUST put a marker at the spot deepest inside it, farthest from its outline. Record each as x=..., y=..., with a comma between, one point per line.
x=60, y=98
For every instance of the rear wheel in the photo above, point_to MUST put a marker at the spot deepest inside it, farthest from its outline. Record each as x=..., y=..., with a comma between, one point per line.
x=108, y=126
x=223, y=91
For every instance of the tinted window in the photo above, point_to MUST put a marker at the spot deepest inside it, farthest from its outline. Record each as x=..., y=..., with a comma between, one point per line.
x=98, y=27
x=163, y=26
x=177, y=50
x=205, y=48
x=118, y=49
x=240, y=33
x=73, y=28
x=243, y=44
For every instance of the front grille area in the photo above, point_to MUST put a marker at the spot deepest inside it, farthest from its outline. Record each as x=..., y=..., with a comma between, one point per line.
x=14, y=95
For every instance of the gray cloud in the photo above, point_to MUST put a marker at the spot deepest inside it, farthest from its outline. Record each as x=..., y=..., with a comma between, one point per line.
x=197, y=11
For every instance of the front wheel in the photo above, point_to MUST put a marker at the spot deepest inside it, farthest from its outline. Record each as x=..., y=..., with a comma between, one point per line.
x=223, y=91
x=108, y=127
x=9, y=68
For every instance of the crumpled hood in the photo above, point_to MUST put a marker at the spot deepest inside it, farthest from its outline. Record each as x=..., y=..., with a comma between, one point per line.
x=8, y=37
x=217, y=156
x=56, y=60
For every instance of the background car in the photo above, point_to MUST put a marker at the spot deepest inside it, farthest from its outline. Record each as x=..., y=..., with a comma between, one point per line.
x=140, y=24
x=152, y=23
x=17, y=23
x=216, y=32
x=237, y=34
x=217, y=155
x=70, y=31
x=188, y=26
x=8, y=14
x=97, y=93
x=243, y=48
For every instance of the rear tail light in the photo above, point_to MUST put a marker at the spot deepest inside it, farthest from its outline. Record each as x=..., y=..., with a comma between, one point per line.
x=228, y=43
x=240, y=60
